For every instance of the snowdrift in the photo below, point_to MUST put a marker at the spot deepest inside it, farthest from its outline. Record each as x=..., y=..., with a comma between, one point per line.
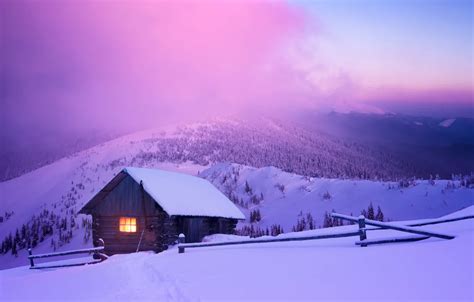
x=332, y=269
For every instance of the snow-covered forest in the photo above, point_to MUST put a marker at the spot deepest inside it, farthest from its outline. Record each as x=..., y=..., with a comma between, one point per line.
x=271, y=142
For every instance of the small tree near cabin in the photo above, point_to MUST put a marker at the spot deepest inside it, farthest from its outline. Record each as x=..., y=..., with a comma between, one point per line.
x=379, y=216
x=371, y=212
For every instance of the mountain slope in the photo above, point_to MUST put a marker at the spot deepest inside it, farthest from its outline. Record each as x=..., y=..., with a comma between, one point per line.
x=429, y=145
x=268, y=142
x=41, y=206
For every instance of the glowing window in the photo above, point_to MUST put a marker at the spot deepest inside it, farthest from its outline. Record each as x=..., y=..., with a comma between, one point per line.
x=128, y=224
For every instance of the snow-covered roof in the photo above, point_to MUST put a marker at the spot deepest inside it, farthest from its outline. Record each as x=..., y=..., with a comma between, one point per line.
x=182, y=194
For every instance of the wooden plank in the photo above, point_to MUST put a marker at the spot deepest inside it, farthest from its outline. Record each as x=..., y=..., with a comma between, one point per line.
x=362, y=231
x=82, y=251
x=392, y=226
x=31, y=259
x=118, y=234
x=122, y=246
x=65, y=265
x=429, y=222
x=125, y=199
x=128, y=251
x=391, y=240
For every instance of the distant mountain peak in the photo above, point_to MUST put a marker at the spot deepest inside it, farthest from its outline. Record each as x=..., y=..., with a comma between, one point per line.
x=447, y=123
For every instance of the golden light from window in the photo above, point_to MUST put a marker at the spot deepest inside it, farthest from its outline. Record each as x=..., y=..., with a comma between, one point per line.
x=128, y=224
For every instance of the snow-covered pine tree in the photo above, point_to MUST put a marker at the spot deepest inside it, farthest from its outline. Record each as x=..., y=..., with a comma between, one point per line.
x=14, y=249
x=370, y=212
x=17, y=239
x=310, y=220
x=379, y=216
x=327, y=196
x=328, y=222
x=248, y=189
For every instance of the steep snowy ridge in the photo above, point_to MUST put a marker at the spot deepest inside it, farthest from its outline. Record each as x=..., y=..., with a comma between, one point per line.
x=43, y=204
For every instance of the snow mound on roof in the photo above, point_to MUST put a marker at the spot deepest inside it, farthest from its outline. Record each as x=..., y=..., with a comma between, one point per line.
x=181, y=194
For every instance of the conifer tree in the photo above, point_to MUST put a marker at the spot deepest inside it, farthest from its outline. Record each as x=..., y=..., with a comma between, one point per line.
x=14, y=249
x=248, y=189
x=370, y=212
x=327, y=221
x=379, y=216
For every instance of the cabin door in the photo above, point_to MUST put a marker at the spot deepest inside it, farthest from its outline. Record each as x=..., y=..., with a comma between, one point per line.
x=193, y=230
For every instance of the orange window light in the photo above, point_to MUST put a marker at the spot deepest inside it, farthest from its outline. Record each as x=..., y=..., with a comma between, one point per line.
x=128, y=224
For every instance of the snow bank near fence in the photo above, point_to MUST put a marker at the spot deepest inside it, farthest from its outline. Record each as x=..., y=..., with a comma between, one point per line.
x=329, y=269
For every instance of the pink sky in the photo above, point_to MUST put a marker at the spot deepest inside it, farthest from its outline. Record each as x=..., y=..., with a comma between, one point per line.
x=138, y=64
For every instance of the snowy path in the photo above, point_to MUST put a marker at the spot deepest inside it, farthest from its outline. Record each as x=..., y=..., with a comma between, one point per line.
x=309, y=270
x=124, y=277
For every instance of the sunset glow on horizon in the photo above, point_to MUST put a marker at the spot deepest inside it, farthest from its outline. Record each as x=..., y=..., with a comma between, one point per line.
x=148, y=61
x=413, y=47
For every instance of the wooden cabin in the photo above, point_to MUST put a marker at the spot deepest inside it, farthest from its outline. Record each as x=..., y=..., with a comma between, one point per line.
x=146, y=209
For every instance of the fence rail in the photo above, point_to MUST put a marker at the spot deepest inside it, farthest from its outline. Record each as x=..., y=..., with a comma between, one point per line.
x=422, y=234
x=387, y=225
x=96, y=251
x=182, y=245
x=361, y=232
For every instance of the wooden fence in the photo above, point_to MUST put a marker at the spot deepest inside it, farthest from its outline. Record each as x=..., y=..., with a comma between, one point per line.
x=361, y=232
x=96, y=251
x=362, y=221
x=182, y=245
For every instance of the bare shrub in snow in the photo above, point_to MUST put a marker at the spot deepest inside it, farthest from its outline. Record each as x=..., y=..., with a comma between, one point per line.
x=327, y=195
x=280, y=187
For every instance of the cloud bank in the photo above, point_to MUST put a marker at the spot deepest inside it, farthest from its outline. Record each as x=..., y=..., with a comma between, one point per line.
x=69, y=67
x=111, y=64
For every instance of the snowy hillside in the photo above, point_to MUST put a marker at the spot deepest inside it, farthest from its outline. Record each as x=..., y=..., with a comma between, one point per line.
x=39, y=209
x=329, y=269
x=284, y=198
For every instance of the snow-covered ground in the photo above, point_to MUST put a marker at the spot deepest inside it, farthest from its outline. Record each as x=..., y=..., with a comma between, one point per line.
x=329, y=269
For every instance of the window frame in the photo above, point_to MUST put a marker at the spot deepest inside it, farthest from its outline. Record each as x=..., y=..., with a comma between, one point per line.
x=130, y=225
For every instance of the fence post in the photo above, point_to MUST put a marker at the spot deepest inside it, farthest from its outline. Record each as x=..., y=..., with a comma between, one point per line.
x=31, y=259
x=181, y=240
x=362, y=231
